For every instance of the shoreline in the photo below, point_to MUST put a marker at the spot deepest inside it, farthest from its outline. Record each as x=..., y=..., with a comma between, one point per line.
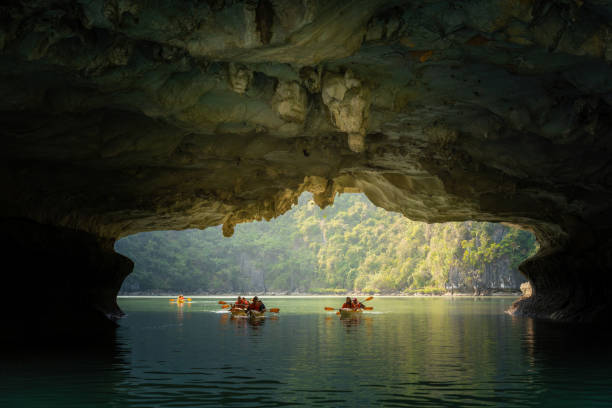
x=307, y=295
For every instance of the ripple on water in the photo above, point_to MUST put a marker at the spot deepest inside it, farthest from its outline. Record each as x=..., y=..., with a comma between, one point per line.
x=406, y=353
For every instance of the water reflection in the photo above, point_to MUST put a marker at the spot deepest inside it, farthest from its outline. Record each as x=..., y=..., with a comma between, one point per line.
x=545, y=340
x=84, y=372
x=573, y=360
x=411, y=352
x=245, y=321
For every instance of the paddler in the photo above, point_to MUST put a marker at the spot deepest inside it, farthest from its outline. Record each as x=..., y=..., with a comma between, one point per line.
x=347, y=303
x=257, y=305
x=356, y=305
x=239, y=303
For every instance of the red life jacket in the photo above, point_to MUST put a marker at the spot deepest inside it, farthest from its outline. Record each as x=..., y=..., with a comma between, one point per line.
x=347, y=305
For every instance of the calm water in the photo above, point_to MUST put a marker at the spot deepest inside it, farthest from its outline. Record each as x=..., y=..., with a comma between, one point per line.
x=408, y=352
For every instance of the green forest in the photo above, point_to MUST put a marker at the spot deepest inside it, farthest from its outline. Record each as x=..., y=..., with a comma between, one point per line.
x=351, y=246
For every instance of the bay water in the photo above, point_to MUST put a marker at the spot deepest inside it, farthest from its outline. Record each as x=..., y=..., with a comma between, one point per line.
x=407, y=351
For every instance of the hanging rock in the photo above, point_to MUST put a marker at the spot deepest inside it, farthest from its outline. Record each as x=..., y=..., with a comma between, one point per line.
x=348, y=101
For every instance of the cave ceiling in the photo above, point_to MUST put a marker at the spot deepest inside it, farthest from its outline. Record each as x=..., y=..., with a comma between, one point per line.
x=126, y=116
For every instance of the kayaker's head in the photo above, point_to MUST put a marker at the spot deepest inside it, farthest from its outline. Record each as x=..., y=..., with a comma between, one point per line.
x=355, y=300
x=255, y=299
x=348, y=299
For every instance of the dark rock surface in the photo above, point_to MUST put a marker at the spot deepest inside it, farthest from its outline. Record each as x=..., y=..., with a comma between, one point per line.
x=58, y=280
x=119, y=116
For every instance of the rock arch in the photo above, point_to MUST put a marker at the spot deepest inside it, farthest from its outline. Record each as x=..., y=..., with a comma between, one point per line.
x=118, y=118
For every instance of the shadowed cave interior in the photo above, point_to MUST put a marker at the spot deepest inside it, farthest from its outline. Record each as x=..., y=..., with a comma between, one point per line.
x=119, y=117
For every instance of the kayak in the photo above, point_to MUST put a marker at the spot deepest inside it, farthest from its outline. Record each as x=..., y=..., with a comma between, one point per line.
x=350, y=312
x=237, y=311
x=254, y=314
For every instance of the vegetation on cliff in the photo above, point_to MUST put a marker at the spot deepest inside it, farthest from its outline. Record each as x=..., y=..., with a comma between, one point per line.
x=350, y=246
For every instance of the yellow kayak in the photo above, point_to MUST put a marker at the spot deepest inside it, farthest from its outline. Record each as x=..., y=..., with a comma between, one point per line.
x=254, y=314
x=237, y=311
x=350, y=312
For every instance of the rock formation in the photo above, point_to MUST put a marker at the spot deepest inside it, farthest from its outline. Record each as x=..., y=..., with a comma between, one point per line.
x=119, y=117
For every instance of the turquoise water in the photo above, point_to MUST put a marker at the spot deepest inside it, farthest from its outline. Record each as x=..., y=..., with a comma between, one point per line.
x=431, y=352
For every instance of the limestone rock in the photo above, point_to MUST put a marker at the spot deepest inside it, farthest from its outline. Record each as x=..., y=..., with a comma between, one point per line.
x=239, y=77
x=291, y=101
x=311, y=78
x=526, y=289
x=348, y=101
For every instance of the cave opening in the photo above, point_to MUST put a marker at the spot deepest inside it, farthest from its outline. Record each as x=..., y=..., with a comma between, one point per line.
x=351, y=246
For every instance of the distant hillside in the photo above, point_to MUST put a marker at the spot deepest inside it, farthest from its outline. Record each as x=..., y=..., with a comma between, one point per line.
x=351, y=246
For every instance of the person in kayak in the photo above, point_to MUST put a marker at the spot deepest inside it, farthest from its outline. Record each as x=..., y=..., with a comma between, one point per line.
x=257, y=305
x=240, y=303
x=356, y=305
x=347, y=303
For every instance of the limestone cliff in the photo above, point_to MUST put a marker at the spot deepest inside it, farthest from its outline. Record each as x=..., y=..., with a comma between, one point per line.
x=121, y=116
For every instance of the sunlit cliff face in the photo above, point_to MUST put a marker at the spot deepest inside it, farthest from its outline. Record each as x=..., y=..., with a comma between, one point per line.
x=119, y=117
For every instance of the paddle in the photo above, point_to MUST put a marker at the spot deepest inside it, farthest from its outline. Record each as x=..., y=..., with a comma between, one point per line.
x=274, y=310
x=222, y=302
x=368, y=308
x=225, y=306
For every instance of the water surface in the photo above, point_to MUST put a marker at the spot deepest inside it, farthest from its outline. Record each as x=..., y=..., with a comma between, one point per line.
x=407, y=352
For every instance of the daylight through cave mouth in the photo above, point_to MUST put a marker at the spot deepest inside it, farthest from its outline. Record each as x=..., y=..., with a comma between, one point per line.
x=351, y=246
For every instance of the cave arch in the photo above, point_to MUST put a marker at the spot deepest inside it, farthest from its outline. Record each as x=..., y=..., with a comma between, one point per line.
x=116, y=121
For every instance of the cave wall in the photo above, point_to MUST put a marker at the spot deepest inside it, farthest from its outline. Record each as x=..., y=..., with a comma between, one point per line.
x=58, y=280
x=121, y=116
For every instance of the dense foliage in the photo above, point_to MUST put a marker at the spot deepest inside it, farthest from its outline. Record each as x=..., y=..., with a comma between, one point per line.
x=350, y=246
